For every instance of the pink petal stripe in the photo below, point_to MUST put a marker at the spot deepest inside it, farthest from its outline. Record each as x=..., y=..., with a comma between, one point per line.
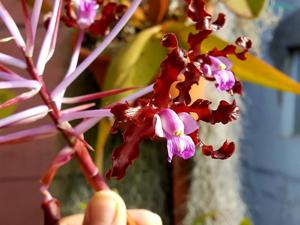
x=138, y=94
x=10, y=60
x=78, y=108
x=85, y=114
x=35, y=16
x=28, y=135
x=107, y=40
x=22, y=97
x=89, y=97
x=28, y=28
x=72, y=66
x=31, y=84
x=25, y=116
x=49, y=38
x=11, y=76
x=11, y=26
x=88, y=124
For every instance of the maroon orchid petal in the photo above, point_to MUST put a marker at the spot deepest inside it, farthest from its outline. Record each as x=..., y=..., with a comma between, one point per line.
x=110, y=13
x=207, y=150
x=170, y=68
x=192, y=76
x=195, y=41
x=200, y=107
x=169, y=41
x=196, y=12
x=224, y=114
x=124, y=155
x=195, y=137
x=225, y=151
x=237, y=88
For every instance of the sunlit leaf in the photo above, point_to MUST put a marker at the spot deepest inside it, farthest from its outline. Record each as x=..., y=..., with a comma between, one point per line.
x=4, y=96
x=246, y=8
x=136, y=63
x=252, y=70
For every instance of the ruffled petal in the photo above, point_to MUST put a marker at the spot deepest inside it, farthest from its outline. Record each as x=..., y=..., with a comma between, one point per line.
x=190, y=124
x=182, y=146
x=171, y=123
x=158, y=126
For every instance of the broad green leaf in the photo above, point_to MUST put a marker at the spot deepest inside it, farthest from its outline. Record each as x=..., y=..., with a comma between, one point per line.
x=246, y=8
x=252, y=70
x=136, y=64
x=246, y=221
x=4, y=96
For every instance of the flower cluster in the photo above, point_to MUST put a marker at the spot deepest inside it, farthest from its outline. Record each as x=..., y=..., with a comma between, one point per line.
x=92, y=15
x=162, y=116
x=156, y=116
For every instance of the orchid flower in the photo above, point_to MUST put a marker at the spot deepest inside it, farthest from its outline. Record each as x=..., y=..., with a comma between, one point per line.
x=175, y=127
x=220, y=71
x=86, y=11
x=158, y=114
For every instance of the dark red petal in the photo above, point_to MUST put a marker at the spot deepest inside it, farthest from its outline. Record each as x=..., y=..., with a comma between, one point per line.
x=200, y=107
x=195, y=40
x=124, y=155
x=170, y=68
x=225, y=151
x=225, y=113
x=220, y=21
x=237, y=88
x=169, y=41
x=110, y=13
x=195, y=137
x=192, y=76
x=207, y=150
x=196, y=11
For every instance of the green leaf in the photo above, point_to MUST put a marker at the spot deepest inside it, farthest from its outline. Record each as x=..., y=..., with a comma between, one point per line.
x=252, y=70
x=246, y=8
x=136, y=64
x=246, y=221
x=4, y=96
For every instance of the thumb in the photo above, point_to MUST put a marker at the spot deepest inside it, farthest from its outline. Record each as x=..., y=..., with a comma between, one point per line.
x=105, y=208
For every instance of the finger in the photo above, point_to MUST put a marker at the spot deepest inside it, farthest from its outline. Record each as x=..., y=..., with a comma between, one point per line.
x=144, y=217
x=105, y=208
x=72, y=220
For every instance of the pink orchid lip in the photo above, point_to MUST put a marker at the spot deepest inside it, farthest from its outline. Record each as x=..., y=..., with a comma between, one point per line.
x=175, y=127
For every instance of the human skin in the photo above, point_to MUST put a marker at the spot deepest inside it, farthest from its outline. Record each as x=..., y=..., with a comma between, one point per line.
x=108, y=208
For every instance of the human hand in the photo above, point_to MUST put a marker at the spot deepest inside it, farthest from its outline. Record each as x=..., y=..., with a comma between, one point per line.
x=108, y=208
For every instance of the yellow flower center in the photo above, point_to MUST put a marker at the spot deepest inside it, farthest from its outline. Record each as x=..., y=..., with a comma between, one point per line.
x=179, y=133
x=222, y=66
